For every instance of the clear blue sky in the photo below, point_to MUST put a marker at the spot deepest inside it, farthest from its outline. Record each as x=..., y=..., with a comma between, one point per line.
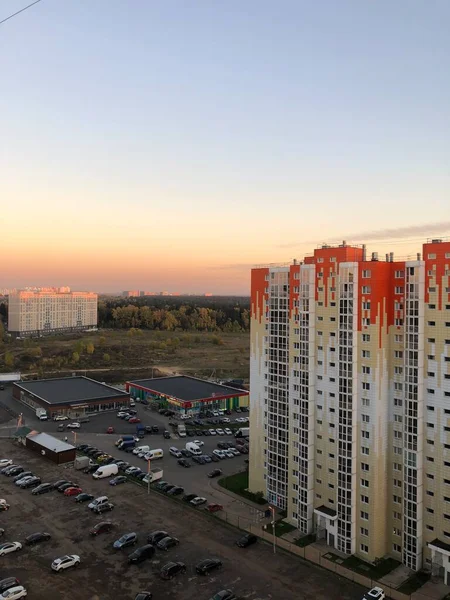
x=170, y=145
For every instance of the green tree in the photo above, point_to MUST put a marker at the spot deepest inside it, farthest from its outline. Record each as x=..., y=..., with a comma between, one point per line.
x=75, y=357
x=9, y=359
x=90, y=348
x=218, y=341
x=102, y=340
x=36, y=352
x=80, y=347
x=106, y=357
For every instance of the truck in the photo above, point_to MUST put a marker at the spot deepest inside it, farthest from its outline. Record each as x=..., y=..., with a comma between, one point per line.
x=127, y=444
x=105, y=471
x=41, y=414
x=153, y=475
x=124, y=438
x=140, y=430
x=181, y=429
x=81, y=462
x=242, y=432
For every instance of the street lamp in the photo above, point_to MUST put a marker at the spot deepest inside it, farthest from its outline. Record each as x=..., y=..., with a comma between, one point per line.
x=148, y=477
x=272, y=510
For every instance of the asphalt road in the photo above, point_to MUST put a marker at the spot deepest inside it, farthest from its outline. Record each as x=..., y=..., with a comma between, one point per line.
x=104, y=574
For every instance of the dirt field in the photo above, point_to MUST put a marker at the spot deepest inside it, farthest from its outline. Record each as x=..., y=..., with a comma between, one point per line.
x=118, y=356
x=105, y=575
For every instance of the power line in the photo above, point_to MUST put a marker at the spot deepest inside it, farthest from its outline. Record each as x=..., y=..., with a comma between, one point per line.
x=20, y=11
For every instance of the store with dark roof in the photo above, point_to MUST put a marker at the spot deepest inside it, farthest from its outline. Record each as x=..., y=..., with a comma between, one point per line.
x=188, y=395
x=70, y=396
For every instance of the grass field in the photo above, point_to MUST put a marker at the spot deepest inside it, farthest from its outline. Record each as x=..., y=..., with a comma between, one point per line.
x=117, y=355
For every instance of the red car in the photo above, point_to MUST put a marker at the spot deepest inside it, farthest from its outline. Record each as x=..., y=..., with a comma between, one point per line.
x=134, y=420
x=214, y=507
x=110, y=430
x=72, y=491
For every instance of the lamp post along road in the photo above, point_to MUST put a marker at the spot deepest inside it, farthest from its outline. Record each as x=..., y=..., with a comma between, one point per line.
x=148, y=477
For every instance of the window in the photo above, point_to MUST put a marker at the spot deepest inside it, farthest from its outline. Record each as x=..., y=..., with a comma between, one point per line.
x=431, y=256
x=397, y=515
x=398, y=354
x=396, y=531
x=366, y=353
x=365, y=418
x=366, y=337
x=397, y=483
x=366, y=274
x=365, y=483
x=365, y=385
x=397, y=499
x=398, y=402
x=365, y=435
x=398, y=338
x=366, y=305
x=365, y=289
x=398, y=370
x=399, y=274
x=364, y=548
x=364, y=531
x=364, y=515
x=366, y=370
x=365, y=450
x=365, y=401
x=397, y=466
x=396, y=548
x=398, y=322
x=398, y=418
x=364, y=467
x=399, y=290
x=398, y=435
x=431, y=323
x=365, y=321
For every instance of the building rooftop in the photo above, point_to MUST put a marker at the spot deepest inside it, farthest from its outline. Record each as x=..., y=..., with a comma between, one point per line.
x=70, y=390
x=48, y=441
x=188, y=389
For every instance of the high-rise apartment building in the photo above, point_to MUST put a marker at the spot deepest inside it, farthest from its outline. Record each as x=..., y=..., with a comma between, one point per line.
x=350, y=400
x=43, y=312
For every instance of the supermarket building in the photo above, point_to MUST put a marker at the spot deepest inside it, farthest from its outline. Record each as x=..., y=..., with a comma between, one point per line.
x=188, y=395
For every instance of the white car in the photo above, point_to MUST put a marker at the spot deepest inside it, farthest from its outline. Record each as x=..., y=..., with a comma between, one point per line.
x=235, y=451
x=14, y=593
x=228, y=431
x=9, y=547
x=242, y=420
x=65, y=562
x=220, y=431
x=73, y=426
x=175, y=452
x=216, y=413
x=199, y=442
x=198, y=501
x=376, y=593
x=5, y=462
x=228, y=453
x=226, y=420
x=61, y=418
x=20, y=481
x=212, y=432
x=219, y=453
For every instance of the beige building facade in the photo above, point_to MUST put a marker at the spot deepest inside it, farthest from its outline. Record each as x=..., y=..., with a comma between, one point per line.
x=350, y=400
x=35, y=313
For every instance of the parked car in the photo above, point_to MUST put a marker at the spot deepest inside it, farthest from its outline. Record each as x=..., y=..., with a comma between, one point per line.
x=101, y=527
x=73, y=426
x=228, y=431
x=5, y=469
x=214, y=458
x=110, y=430
x=198, y=501
x=247, y=540
x=42, y=489
x=5, y=462
x=220, y=431
x=376, y=593
x=8, y=547
x=143, y=596
x=189, y=497
x=212, y=508
x=72, y=491
x=141, y=554
x=36, y=538
x=206, y=566
x=167, y=543
x=156, y=536
x=7, y=583
x=166, y=435
x=118, y=480
x=65, y=486
x=4, y=506
x=14, y=471
x=212, y=432
x=14, y=593
x=183, y=462
x=171, y=569
x=219, y=453
x=65, y=562
x=128, y=539
x=101, y=508
x=84, y=497
x=134, y=420
x=224, y=595
x=175, y=491
x=59, y=482
x=22, y=476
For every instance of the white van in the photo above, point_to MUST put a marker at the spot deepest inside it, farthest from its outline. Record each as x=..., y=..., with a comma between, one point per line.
x=193, y=448
x=98, y=502
x=105, y=471
x=140, y=449
x=153, y=454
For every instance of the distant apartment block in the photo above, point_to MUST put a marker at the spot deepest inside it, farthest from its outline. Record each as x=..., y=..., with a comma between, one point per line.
x=350, y=400
x=44, y=312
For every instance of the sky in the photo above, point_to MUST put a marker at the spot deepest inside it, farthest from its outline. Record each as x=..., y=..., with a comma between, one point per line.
x=171, y=145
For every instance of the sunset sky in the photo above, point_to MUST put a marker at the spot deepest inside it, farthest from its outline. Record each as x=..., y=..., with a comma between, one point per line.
x=171, y=145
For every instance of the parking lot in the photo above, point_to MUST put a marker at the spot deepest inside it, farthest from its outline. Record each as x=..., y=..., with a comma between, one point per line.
x=105, y=574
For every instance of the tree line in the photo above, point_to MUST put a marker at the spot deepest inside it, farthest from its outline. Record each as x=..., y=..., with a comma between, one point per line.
x=175, y=314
